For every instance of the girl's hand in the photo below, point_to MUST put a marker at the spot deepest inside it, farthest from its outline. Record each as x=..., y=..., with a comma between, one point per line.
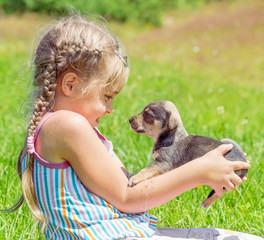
x=218, y=172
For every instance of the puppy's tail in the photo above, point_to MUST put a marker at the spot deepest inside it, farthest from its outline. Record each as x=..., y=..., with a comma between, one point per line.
x=212, y=198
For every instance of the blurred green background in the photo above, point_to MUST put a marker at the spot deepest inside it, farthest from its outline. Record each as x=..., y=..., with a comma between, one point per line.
x=122, y=10
x=205, y=56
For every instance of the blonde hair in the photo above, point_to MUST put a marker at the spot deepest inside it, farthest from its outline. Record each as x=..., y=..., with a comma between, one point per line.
x=85, y=48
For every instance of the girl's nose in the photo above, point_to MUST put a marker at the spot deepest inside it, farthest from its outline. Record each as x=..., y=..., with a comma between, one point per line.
x=110, y=109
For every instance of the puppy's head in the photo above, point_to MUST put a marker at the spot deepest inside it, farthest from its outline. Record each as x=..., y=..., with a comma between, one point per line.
x=156, y=118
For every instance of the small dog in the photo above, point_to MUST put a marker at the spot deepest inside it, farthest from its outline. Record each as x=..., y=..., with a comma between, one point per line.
x=173, y=146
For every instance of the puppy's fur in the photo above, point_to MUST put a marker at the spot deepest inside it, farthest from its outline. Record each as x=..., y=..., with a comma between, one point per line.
x=173, y=146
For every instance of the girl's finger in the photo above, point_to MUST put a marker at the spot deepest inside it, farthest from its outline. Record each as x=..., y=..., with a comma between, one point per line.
x=230, y=186
x=238, y=165
x=236, y=180
x=244, y=179
x=224, y=148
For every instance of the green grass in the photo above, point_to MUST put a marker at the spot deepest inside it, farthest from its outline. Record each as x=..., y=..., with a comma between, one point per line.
x=164, y=65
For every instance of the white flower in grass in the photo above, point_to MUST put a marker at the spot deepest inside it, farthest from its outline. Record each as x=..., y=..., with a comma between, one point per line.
x=157, y=74
x=196, y=49
x=210, y=90
x=220, y=110
x=221, y=90
x=245, y=122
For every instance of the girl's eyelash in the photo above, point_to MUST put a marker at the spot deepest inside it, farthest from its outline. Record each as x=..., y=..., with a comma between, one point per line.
x=108, y=96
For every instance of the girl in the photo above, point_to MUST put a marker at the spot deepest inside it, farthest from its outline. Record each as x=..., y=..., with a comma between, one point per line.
x=73, y=182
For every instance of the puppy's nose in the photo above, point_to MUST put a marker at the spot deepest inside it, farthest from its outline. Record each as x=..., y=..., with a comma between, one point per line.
x=131, y=120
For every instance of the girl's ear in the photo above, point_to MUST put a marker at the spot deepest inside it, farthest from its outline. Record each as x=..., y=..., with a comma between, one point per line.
x=70, y=84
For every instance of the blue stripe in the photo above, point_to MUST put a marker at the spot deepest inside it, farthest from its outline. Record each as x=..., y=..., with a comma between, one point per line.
x=45, y=189
x=78, y=195
x=126, y=227
x=37, y=189
x=153, y=218
x=68, y=206
x=86, y=210
x=55, y=221
x=122, y=222
x=63, y=223
x=96, y=207
x=135, y=225
x=110, y=214
x=99, y=213
x=37, y=185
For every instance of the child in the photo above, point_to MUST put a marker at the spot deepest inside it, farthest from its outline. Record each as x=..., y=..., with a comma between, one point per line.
x=73, y=182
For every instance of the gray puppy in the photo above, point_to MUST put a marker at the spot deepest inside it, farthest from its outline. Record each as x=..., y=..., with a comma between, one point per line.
x=173, y=146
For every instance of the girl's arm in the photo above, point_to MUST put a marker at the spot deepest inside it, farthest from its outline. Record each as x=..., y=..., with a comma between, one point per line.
x=105, y=176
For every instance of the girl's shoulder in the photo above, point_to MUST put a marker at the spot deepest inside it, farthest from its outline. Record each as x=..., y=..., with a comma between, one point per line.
x=66, y=121
x=59, y=132
x=64, y=125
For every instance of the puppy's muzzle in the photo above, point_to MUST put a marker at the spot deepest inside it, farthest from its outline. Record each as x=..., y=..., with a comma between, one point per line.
x=134, y=125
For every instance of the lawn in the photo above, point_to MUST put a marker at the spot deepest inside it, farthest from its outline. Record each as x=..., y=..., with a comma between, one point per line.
x=203, y=59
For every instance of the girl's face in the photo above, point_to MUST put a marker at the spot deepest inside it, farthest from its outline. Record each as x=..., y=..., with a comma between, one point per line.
x=95, y=106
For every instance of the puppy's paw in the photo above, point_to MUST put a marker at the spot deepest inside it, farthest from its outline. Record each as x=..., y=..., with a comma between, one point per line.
x=133, y=181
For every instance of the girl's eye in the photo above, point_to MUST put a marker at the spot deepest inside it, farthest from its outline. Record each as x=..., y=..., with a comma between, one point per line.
x=108, y=97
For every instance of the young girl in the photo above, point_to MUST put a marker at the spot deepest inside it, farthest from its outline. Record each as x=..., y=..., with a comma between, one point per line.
x=73, y=182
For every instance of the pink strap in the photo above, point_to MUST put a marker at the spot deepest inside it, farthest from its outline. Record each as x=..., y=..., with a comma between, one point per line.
x=31, y=147
x=31, y=140
x=41, y=124
x=106, y=142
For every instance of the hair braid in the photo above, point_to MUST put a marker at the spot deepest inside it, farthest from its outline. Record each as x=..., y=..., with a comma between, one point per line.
x=43, y=104
x=73, y=53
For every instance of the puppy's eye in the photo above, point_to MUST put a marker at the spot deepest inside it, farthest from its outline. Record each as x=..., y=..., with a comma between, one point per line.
x=148, y=118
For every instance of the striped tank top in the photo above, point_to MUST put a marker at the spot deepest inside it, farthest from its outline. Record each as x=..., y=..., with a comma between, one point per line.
x=72, y=212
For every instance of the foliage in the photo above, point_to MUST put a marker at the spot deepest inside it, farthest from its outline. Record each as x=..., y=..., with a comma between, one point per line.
x=122, y=10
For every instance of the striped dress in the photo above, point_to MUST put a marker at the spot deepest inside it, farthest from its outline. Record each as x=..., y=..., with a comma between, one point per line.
x=72, y=212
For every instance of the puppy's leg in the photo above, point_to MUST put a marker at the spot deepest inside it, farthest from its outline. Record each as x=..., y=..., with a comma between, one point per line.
x=213, y=197
x=154, y=169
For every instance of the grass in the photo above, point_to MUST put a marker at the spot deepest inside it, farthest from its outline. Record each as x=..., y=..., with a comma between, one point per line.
x=201, y=59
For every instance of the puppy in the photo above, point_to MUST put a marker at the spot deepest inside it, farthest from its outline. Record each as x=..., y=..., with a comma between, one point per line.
x=173, y=146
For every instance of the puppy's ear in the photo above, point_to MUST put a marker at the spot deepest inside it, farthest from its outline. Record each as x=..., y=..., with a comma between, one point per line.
x=172, y=123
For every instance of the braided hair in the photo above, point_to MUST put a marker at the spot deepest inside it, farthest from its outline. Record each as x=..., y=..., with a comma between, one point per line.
x=84, y=48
